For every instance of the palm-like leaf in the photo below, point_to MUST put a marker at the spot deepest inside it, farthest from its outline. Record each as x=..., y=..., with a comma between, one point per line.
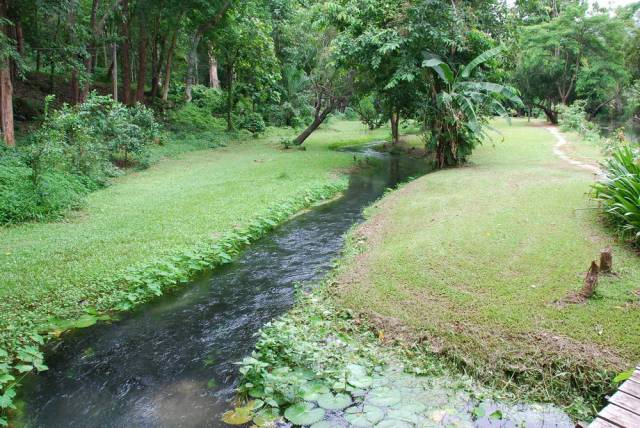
x=483, y=57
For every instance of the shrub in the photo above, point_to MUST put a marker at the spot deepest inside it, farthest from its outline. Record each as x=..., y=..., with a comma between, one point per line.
x=209, y=99
x=368, y=112
x=574, y=118
x=619, y=192
x=190, y=117
x=71, y=154
x=253, y=122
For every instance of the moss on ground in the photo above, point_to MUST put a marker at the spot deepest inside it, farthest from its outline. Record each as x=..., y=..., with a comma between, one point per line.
x=472, y=261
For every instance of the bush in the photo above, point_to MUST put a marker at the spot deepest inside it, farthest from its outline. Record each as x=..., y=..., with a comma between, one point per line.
x=369, y=113
x=71, y=154
x=619, y=192
x=23, y=200
x=574, y=118
x=253, y=122
x=190, y=117
x=209, y=99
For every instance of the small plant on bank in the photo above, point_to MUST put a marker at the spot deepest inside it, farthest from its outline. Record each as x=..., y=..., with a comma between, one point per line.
x=619, y=192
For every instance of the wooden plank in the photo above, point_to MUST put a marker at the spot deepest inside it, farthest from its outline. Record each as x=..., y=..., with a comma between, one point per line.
x=626, y=401
x=635, y=376
x=631, y=388
x=620, y=416
x=601, y=423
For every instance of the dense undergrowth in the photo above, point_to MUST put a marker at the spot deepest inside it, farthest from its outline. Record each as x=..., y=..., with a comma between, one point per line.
x=20, y=348
x=75, y=150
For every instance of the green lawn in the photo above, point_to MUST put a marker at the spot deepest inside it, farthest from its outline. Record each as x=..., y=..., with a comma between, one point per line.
x=49, y=269
x=473, y=259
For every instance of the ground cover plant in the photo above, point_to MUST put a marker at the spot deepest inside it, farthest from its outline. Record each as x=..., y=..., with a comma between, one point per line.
x=481, y=285
x=319, y=366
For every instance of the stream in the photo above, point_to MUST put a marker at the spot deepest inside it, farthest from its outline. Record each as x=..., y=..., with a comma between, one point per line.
x=171, y=362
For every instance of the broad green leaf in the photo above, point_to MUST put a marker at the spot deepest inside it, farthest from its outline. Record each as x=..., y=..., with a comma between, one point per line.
x=483, y=57
x=304, y=414
x=621, y=377
x=334, y=402
x=367, y=416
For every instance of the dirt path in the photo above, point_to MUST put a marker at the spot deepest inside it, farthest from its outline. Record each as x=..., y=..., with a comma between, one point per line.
x=559, y=151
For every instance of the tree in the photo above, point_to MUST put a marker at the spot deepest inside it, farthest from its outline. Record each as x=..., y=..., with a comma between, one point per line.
x=7, y=51
x=460, y=106
x=574, y=51
x=245, y=50
x=204, y=16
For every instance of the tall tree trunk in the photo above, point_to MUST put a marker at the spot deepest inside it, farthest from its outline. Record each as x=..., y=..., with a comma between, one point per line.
x=142, y=64
x=167, y=68
x=126, y=55
x=230, y=98
x=157, y=49
x=192, y=58
x=92, y=49
x=317, y=121
x=114, y=71
x=6, y=88
x=395, y=132
x=214, y=81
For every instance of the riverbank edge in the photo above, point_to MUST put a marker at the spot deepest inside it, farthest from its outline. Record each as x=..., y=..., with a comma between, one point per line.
x=140, y=284
x=575, y=396
x=373, y=348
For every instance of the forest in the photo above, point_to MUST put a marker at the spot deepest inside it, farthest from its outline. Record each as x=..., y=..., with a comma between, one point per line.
x=425, y=182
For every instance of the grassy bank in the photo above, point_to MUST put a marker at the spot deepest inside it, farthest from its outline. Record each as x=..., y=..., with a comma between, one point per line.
x=474, y=260
x=145, y=219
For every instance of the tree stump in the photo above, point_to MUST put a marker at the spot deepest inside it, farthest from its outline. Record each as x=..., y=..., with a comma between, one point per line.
x=606, y=260
x=590, y=281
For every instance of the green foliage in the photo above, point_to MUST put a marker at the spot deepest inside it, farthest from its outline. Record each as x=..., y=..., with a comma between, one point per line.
x=456, y=118
x=369, y=113
x=253, y=122
x=70, y=155
x=310, y=360
x=191, y=117
x=574, y=118
x=577, y=53
x=619, y=192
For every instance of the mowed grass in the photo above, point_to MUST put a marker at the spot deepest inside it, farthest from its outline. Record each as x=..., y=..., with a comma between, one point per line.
x=475, y=260
x=58, y=269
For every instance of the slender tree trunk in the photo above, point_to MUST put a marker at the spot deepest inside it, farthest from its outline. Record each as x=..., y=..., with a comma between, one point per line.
x=230, y=98
x=214, y=81
x=126, y=55
x=6, y=89
x=157, y=50
x=192, y=58
x=142, y=65
x=395, y=132
x=167, y=68
x=317, y=121
x=92, y=49
x=114, y=71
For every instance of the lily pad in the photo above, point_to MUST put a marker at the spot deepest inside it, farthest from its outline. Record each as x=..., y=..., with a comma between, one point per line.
x=393, y=423
x=239, y=415
x=266, y=417
x=334, y=402
x=323, y=424
x=304, y=414
x=384, y=397
x=312, y=390
x=365, y=417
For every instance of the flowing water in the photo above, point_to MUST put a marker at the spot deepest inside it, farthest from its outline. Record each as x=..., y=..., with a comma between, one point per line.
x=171, y=363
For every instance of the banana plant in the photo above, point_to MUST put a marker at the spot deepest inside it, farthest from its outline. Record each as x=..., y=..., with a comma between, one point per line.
x=456, y=117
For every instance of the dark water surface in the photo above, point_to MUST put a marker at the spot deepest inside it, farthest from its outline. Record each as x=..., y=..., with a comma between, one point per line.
x=171, y=363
